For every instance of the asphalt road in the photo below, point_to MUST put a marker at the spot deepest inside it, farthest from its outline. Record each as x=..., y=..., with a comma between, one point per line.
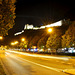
x=18, y=63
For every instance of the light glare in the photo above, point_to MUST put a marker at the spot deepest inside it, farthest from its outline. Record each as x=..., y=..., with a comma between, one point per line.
x=1, y=37
x=23, y=39
x=50, y=30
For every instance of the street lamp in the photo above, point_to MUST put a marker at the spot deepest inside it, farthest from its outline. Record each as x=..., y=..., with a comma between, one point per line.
x=1, y=37
x=23, y=39
x=16, y=42
x=12, y=43
x=49, y=30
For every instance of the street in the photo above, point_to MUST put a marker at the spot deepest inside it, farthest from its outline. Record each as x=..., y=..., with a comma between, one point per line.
x=18, y=63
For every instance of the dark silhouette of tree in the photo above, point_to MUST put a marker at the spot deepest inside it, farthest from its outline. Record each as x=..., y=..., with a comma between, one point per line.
x=42, y=42
x=34, y=41
x=68, y=39
x=7, y=16
x=54, y=41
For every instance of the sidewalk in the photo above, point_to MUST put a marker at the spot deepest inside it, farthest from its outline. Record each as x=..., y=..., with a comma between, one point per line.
x=69, y=71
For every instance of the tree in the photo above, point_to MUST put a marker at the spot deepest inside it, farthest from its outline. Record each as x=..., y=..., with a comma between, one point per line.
x=42, y=42
x=68, y=39
x=7, y=16
x=54, y=41
x=34, y=41
x=23, y=44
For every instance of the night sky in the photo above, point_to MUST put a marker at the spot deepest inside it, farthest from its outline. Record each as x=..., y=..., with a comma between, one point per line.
x=41, y=12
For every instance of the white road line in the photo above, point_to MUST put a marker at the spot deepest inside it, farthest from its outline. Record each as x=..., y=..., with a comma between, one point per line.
x=7, y=53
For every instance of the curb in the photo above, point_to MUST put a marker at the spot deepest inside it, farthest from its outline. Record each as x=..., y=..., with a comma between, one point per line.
x=69, y=71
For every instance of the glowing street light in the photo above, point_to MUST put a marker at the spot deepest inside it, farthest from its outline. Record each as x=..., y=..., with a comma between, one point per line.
x=34, y=47
x=16, y=42
x=1, y=37
x=49, y=30
x=12, y=43
x=23, y=39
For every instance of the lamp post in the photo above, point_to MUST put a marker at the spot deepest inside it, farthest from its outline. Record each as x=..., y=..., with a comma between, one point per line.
x=50, y=30
x=22, y=42
x=1, y=37
x=23, y=39
x=14, y=43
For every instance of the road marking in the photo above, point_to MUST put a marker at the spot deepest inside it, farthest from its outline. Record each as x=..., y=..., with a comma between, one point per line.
x=51, y=68
x=7, y=53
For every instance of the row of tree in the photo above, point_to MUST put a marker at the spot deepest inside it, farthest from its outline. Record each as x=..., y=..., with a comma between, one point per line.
x=68, y=39
x=61, y=40
x=58, y=38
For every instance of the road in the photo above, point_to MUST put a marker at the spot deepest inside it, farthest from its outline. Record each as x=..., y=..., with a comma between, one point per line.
x=18, y=63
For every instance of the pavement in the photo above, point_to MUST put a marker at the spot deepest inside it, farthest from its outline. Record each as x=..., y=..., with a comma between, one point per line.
x=25, y=63
x=72, y=60
x=69, y=71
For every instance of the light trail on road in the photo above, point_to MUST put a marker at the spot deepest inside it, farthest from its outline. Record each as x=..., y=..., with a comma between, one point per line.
x=36, y=55
x=19, y=64
x=55, y=69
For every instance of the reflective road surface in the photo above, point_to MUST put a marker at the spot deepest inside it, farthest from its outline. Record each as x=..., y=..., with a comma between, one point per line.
x=19, y=63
